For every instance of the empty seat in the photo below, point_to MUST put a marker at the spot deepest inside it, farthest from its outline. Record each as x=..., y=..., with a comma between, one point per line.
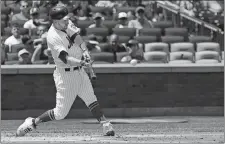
x=98, y=31
x=207, y=57
x=208, y=46
x=183, y=46
x=146, y=39
x=15, y=62
x=163, y=24
x=83, y=25
x=7, y=31
x=125, y=31
x=4, y=17
x=109, y=24
x=150, y=32
x=103, y=56
x=198, y=39
x=24, y=31
x=19, y=22
x=99, y=9
x=176, y=31
x=159, y=46
x=180, y=62
x=99, y=38
x=5, y=10
x=12, y=56
x=16, y=48
x=172, y=39
x=125, y=9
x=123, y=39
x=181, y=56
x=104, y=47
x=156, y=57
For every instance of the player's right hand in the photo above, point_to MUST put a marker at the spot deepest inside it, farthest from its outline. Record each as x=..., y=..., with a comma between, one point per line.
x=72, y=29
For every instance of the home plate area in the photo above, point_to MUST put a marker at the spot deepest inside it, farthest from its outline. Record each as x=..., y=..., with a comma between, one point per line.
x=186, y=130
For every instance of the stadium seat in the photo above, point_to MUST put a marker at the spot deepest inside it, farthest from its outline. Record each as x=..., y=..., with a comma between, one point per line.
x=98, y=31
x=99, y=9
x=198, y=39
x=120, y=55
x=16, y=10
x=123, y=39
x=206, y=57
x=150, y=32
x=24, y=31
x=125, y=31
x=4, y=17
x=19, y=22
x=16, y=48
x=5, y=10
x=163, y=24
x=146, y=39
x=40, y=62
x=159, y=46
x=12, y=56
x=180, y=62
x=110, y=25
x=177, y=32
x=156, y=57
x=101, y=62
x=83, y=24
x=172, y=39
x=183, y=46
x=181, y=57
x=103, y=56
x=104, y=46
x=208, y=46
x=15, y=62
x=7, y=31
x=100, y=39
x=125, y=9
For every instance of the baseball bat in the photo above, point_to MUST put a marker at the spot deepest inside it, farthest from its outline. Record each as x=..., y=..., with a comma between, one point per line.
x=91, y=71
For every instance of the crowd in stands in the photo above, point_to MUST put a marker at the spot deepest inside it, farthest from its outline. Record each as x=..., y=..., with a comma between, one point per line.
x=114, y=31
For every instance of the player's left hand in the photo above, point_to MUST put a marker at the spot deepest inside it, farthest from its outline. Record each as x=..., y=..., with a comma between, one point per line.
x=87, y=56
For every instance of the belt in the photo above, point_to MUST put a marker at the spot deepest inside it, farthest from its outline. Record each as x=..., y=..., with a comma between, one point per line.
x=73, y=68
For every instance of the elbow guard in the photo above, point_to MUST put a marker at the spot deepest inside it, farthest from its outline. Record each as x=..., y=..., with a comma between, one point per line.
x=63, y=56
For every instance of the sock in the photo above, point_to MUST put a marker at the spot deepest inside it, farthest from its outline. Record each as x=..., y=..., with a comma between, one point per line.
x=96, y=111
x=45, y=117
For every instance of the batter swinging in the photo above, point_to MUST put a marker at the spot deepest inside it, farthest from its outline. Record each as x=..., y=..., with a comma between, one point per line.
x=70, y=78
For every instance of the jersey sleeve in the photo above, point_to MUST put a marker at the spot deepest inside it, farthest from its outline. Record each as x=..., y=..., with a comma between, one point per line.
x=56, y=45
x=72, y=29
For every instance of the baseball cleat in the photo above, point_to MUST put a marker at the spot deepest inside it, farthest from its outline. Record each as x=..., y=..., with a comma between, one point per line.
x=26, y=127
x=108, y=129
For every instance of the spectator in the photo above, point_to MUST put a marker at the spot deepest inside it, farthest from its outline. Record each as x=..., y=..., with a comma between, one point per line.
x=114, y=46
x=35, y=21
x=15, y=38
x=122, y=16
x=24, y=57
x=28, y=43
x=24, y=12
x=141, y=21
x=135, y=52
x=92, y=44
x=158, y=15
x=42, y=34
x=131, y=15
x=98, y=19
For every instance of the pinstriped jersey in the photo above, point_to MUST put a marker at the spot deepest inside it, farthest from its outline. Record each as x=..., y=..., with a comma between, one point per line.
x=58, y=41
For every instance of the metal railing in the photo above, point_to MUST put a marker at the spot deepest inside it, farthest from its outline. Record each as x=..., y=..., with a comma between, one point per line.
x=194, y=25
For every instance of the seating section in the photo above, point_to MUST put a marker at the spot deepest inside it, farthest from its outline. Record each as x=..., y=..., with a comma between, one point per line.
x=163, y=43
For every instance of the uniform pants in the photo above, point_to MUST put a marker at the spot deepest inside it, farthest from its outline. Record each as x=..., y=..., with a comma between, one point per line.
x=69, y=84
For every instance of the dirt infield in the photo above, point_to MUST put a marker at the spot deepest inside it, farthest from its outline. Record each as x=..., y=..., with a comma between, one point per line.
x=195, y=130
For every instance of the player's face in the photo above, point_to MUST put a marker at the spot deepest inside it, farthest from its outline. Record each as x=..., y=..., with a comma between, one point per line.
x=63, y=23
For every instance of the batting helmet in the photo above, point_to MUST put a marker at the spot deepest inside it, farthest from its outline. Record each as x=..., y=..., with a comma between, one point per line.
x=58, y=12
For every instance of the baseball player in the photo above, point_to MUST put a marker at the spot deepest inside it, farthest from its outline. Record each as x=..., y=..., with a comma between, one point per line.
x=70, y=78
